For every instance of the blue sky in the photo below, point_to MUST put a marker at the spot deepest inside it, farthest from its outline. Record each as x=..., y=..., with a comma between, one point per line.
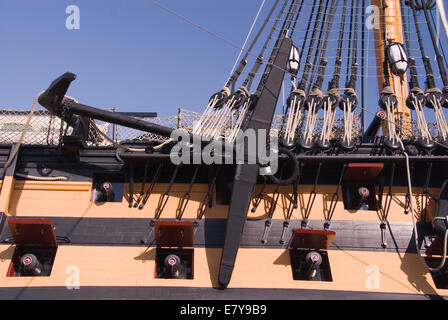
x=127, y=54
x=130, y=55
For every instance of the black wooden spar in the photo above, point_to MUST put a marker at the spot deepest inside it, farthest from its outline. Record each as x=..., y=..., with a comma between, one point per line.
x=246, y=174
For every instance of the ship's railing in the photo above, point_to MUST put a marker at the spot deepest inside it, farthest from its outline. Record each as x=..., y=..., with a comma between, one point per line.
x=44, y=128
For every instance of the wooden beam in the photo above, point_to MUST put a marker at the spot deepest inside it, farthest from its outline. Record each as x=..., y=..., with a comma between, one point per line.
x=393, y=22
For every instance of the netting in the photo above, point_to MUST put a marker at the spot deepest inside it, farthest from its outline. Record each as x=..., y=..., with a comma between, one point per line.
x=44, y=128
x=409, y=129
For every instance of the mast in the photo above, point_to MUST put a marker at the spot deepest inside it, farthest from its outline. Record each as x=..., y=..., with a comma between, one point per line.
x=391, y=24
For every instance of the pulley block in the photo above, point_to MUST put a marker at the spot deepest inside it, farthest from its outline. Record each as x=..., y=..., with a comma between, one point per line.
x=415, y=96
x=349, y=99
x=221, y=97
x=239, y=97
x=433, y=98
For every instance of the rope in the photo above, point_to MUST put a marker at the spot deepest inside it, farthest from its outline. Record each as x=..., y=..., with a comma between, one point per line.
x=310, y=121
x=329, y=115
x=323, y=50
x=216, y=123
x=438, y=30
x=442, y=69
x=319, y=50
x=235, y=128
x=308, y=65
x=430, y=82
x=348, y=121
x=195, y=24
x=294, y=116
x=334, y=83
x=440, y=118
x=444, y=254
x=354, y=69
x=209, y=110
x=442, y=15
x=260, y=59
x=212, y=33
x=248, y=36
x=296, y=19
x=248, y=82
x=391, y=125
x=421, y=120
x=30, y=177
x=22, y=135
x=308, y=28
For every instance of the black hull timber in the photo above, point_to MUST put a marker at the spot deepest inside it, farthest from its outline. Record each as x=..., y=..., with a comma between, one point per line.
x=246, y=174
x=179, y=293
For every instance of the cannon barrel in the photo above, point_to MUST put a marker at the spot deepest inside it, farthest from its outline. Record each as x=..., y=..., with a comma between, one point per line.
x=375, y=125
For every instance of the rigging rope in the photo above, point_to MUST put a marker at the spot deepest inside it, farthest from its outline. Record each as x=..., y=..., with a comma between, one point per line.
x=224, y=107
x=334, y=83
x=248, y=36
x=234, y=76
x=257, y=65
x=328, y=102
x=442, y=13
x=435, y=46
x=349, y=102
x=296, y=19
x=308, y=64
x=319, y=49
x=22, y=135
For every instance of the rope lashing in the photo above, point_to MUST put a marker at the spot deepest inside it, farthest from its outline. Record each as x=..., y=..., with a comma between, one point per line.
x=416, y=101
x=240, y=115
x=330, y=103
x=434, y=99
x=348, y=105
x=215, y=128
x=388, y=102
x=216, y=101
x=294, y=115
x=313, y=104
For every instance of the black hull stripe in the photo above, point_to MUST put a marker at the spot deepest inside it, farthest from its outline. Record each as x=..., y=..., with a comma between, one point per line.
x=184, y=293
x=350, y=235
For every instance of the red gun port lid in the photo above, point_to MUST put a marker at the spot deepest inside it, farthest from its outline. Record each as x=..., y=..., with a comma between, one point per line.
x=311, y=239
x=174, y=233
x=365, y=173
x=32, y=232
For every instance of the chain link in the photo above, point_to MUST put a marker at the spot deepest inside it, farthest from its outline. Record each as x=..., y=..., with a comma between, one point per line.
x=419, y=208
